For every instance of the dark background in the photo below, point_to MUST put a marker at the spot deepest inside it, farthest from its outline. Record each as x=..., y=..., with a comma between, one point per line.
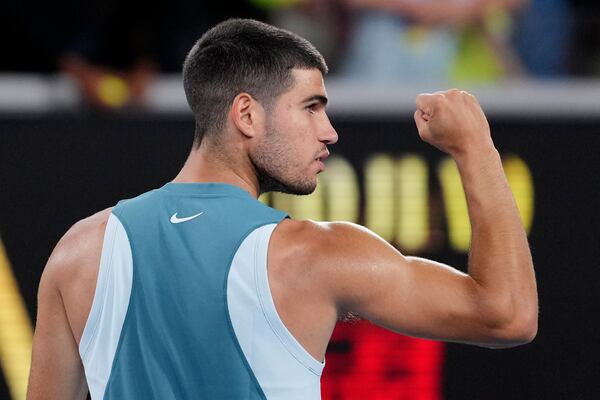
x=59, y=168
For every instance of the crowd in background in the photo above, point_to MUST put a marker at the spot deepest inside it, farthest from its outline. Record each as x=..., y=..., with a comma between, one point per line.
x=124, y=44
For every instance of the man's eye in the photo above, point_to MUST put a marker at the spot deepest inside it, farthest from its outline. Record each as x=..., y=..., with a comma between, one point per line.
x=312, y=108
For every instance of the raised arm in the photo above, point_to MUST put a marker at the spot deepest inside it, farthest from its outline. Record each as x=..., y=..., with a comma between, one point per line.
x=500, y=265
x=494, y=305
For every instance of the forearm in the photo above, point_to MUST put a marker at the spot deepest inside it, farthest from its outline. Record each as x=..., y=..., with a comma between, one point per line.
x=500, y=261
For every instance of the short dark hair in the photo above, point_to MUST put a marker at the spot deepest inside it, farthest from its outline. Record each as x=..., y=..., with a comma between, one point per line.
x=242, y=55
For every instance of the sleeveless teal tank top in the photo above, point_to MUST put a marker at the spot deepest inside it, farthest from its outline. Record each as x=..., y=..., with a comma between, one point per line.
x=176, y=339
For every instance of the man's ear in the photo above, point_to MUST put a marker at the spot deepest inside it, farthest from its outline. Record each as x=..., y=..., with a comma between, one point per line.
x=247, y=114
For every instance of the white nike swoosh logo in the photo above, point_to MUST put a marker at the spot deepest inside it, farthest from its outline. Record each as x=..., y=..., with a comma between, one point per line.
x=175, y=220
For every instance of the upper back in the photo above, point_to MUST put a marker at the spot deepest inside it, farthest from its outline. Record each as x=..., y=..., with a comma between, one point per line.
x=161, y=302
x=178, y=243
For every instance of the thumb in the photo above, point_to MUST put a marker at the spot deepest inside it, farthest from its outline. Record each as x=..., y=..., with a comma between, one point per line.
x=422, y=122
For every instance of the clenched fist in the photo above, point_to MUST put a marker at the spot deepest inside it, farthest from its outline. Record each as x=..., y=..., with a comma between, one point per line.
x=452, y=121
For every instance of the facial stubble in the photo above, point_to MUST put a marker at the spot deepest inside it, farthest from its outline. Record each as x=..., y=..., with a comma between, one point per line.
x=275, y=170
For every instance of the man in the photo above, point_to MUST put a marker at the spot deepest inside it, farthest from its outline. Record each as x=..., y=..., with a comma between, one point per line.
x=197, y=290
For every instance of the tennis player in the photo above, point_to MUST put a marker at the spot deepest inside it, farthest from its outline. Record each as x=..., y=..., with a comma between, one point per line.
x=196, y=290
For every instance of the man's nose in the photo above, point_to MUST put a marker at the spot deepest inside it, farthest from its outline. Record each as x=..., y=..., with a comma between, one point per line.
x=329, y=134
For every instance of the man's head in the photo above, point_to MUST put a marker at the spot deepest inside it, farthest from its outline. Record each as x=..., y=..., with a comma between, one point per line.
x=241, y=55
x=266, y=85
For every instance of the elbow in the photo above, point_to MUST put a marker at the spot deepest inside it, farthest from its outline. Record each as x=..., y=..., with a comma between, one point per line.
x=523, y=331
x=530, y=328
x=519, y=329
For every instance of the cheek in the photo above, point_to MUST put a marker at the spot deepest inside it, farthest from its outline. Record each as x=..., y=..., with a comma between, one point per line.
x=293, y=139
x=304, y=130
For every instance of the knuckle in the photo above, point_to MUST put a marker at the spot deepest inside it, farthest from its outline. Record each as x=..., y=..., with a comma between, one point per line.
x=422, y=99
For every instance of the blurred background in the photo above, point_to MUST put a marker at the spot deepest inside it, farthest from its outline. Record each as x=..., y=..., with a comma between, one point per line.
x=92, y=111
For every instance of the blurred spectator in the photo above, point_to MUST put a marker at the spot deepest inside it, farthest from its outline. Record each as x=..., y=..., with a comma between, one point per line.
x=404, y=39
x=113, y=56
x=434, y=40
x=542, y=37
x=111, y=48
x=137, y=38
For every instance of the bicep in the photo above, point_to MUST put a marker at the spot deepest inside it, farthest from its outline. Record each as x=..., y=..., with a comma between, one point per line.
x=410, y=295
x=56, y=369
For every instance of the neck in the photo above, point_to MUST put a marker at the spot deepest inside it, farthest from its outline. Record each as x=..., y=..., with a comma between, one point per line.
x=207, y=164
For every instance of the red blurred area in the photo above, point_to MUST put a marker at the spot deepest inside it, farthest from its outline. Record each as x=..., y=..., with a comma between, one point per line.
x=367, y=362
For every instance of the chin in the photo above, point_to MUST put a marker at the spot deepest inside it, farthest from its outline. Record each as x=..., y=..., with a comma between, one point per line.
x=298, y=189
x=306, y=186
x=305, y=191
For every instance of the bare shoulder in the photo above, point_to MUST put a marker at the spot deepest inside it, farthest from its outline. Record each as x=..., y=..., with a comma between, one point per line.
x=341, y=260
x=80, y=243
x=87, y=228
x=313, y=232
x=299, y=249
x=329, y=255
x=327, y=240
x=69, y=278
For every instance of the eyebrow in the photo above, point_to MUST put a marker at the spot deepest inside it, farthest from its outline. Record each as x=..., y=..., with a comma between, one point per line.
x=320, y=98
